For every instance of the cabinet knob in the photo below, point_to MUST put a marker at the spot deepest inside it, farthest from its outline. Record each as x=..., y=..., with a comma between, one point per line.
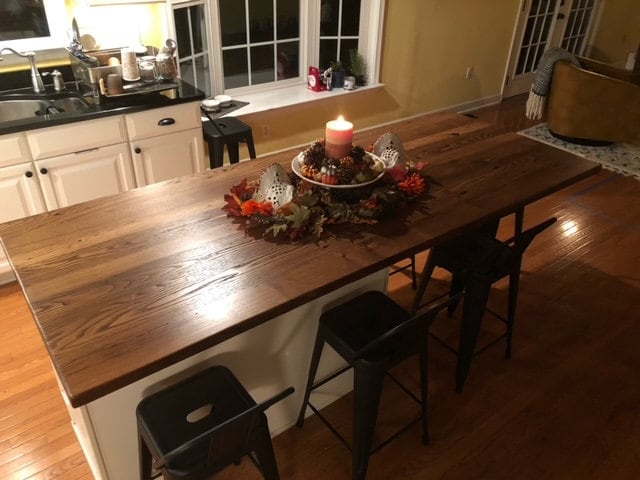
x=28, y=174
x=166, y=121
x=44, y=171
x=138, y=150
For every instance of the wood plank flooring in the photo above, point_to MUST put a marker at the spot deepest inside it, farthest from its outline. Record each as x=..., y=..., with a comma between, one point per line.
x=566, y=406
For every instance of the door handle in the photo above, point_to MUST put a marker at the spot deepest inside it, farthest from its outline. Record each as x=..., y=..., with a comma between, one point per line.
x=44, y=171
x=166, y=121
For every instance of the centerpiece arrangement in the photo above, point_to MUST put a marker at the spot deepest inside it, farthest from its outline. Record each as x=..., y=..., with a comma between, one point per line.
x=332, y=182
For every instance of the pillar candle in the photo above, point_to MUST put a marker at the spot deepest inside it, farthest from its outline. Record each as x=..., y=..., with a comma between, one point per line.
x=338, y=138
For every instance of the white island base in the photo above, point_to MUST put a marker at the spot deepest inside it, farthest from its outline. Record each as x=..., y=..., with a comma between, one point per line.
x=266, y=360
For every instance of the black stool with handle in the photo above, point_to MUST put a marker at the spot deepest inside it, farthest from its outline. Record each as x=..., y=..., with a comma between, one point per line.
x=227, y=131
x=199, y=426
x=373, y=334
x=476, y=261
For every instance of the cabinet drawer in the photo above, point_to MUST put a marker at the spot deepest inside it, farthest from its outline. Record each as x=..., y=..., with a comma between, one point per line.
x=76, y=137
x=160, y=121
x=13, y=150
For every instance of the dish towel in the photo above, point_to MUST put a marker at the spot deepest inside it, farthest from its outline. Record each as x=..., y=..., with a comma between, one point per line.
x=542, y=80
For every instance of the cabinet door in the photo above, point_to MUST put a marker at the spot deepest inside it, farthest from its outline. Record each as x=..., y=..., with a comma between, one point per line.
x=79, y=177
x=19, y=197
x=19, y=192
x=168, y=156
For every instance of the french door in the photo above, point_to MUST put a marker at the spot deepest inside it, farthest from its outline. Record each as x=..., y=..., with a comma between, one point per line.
x=543, y=24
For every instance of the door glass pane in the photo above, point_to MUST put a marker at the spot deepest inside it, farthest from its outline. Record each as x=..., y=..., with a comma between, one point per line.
x=199, y=28
x=236, y=72
x=181, y=19
x=288, y=64
x=232, y=23
x=262, y=70
x=288, y=19
x=329, y=11
x=350, y=17
x=260, y=21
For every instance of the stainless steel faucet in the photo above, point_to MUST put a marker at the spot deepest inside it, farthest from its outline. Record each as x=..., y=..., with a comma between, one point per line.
x=36, y=79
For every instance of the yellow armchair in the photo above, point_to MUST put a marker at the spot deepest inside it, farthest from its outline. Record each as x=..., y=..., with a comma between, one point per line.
x=594, y=104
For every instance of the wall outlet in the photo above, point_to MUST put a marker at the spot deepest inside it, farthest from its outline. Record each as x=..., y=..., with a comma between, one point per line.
x=469, y=73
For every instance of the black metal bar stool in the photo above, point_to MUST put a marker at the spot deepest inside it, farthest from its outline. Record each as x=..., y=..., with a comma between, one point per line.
x=476, y=261
x=227, y=131
x=372, y=333
x=199, y=426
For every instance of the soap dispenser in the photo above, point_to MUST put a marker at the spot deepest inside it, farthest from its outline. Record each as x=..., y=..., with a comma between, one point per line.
x=58, y=81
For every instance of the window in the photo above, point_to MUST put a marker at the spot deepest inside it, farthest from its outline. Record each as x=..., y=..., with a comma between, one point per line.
x=193, y=50
x=339, y=30
x=33, y=24
x=258, y=45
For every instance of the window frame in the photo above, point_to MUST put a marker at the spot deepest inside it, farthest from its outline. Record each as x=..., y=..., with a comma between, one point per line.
x=370, y=43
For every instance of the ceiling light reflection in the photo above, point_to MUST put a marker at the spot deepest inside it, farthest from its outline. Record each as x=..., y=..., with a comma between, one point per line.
x=569, y=228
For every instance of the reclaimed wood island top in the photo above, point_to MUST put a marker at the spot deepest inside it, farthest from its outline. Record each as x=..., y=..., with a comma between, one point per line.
x=123, y=286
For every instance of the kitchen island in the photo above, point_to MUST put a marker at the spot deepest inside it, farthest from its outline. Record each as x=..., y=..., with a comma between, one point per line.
x=131, y=291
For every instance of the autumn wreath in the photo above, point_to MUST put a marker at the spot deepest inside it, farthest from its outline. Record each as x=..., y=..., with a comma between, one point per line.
x=289, y=205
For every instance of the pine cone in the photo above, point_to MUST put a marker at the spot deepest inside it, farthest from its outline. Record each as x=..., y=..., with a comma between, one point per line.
x=344, y=173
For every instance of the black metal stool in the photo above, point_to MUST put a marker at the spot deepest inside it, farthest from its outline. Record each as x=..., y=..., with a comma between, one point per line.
x=476, y=261
x=227, y=131
x=372, y=333
x=197, y=427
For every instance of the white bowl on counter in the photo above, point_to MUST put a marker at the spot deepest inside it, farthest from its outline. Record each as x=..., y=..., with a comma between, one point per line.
x=225, y=100
x=211, y=105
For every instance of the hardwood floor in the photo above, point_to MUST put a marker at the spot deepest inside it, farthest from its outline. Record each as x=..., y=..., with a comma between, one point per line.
x=566, y=406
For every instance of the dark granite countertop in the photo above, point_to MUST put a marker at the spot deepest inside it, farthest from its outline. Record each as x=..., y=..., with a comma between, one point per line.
x=182, y=92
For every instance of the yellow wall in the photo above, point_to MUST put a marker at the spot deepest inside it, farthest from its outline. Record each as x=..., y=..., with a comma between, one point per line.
x=618, y=32
x=427, y=47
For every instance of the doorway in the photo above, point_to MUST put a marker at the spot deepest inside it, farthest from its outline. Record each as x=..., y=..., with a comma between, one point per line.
x=543, y=24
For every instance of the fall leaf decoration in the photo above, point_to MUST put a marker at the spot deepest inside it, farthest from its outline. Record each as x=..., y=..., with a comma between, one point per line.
x=310, y=208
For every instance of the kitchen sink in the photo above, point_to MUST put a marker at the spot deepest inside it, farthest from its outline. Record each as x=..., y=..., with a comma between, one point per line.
x=16, y=107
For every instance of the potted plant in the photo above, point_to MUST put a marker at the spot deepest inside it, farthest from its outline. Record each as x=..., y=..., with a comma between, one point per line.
x=358, y=67
x=337, y=74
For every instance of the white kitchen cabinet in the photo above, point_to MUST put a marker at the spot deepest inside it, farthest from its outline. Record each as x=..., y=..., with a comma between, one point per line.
x=87, y=175
x=166, y=142
x=168, y=156
x=20, y=196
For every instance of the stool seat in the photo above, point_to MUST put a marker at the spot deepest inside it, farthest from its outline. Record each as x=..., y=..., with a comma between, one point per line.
x=202, y=424
x=227, y=131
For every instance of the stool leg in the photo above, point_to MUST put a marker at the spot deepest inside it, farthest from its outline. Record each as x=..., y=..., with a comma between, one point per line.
x=216, y=154
x=234, y=152
x=313, y=368
x=424, y=387
x=456, y=287
x=475, y=301
x=514, y=281
x=367, y=389
x=250, y=145
x=144, y=457
x=263, y=449
x=425, y=276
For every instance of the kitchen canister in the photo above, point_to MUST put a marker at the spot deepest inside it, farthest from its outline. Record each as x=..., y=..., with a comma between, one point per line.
x=129, y=62
x=165, y=63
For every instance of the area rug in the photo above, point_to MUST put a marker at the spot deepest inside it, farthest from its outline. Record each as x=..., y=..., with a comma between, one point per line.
x=619, y=157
